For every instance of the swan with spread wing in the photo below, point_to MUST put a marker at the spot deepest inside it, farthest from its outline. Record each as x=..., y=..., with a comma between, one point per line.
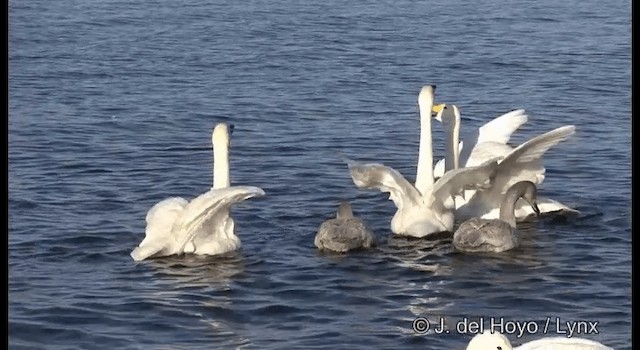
x=488, y=142
x=523, y=163
x=428, y=206
x=203, y=225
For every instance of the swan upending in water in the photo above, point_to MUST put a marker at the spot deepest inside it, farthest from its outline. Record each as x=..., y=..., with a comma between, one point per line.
x=496, y=235
x=427, y=207
x=344, y=233
x=523, y=163
x=204, y=225
x=497, y=341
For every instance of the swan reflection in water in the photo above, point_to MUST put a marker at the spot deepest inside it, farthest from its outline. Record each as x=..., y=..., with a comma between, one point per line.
x=200, y=288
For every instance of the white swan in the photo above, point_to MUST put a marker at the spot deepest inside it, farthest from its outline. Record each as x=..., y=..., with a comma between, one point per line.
x=497, y=341
x=427, y=207
x=204, y=225
x=344, y=233
x=488, y=142
x=496, y=235
x=523, y=163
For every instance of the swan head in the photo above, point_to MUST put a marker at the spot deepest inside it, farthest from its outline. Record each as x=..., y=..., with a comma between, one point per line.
x=437, y=111
x=531, y=195
x=221, y=134
x=426, y=97
x=489, y=341
x=344, y=211
x=528, y=191
x=444, y=112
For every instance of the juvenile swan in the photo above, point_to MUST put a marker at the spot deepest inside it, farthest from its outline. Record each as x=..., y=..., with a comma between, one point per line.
x=203, y=226
x=344, y=233
x=496, y=235
x=497, y=341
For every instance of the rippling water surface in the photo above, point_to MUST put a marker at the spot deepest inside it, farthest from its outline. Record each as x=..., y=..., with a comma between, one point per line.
x=111, y=106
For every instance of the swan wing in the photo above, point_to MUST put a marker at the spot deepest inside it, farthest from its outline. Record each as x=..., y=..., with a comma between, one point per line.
x=343, y=235
x=478, y=234
x=385, y=179
x=456, y=180
x=206, y=206
x=537, y=146
x=525, y=161
x=165, y=209
x=501, y=128
x=469, y=234
x=161, y=217
x=497, y=131
x=174, y=222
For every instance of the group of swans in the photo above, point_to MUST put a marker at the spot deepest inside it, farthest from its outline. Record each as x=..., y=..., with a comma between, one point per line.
x=472, y=182
x=427, y=206
x=481, y=179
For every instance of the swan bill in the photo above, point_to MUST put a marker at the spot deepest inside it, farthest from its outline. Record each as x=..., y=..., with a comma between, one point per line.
x=438, y=108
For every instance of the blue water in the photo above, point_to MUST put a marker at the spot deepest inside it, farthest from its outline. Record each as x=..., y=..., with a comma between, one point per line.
x=111, y=106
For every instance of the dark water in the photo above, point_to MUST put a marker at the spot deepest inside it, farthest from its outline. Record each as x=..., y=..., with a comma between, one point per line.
x=111, y=105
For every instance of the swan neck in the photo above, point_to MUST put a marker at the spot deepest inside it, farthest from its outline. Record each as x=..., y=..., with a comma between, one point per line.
x=451, y=160
x=221, y=176
x=424, y=176
x=456, y=141
x=508, y=207
x=344, y=211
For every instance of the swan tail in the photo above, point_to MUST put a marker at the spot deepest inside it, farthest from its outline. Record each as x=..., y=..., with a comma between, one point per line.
x=145, y=251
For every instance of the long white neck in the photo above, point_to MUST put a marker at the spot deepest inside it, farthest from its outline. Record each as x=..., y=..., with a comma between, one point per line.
x=424, y=176
x=455, y=138
x=452, y=140
x=220, y=141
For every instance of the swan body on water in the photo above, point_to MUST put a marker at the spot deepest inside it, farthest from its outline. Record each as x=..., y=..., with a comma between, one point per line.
x=497, y=341
x=496, y=235
x=426, y=207
x=523, y=163
x=204, y=225
x=344, y=233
